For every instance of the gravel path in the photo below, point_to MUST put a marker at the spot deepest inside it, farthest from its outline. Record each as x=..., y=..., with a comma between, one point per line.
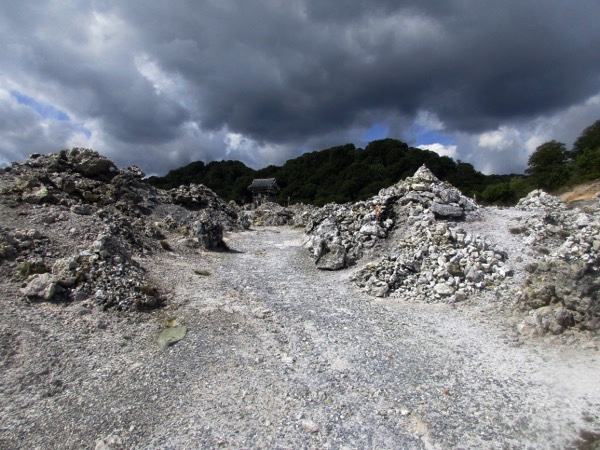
x=312, y=363
x=280, y=355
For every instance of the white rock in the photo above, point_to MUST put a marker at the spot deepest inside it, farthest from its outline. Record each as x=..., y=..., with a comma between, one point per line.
x=41, y=286
x=309, y=426
x=443, y=289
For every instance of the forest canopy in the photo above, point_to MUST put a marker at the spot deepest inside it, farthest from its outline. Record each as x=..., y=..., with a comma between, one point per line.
x=346, y=174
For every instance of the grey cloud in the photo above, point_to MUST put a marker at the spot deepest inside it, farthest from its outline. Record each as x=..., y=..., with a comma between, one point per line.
x=274, y=73
x=23, y=133
x=298, y=74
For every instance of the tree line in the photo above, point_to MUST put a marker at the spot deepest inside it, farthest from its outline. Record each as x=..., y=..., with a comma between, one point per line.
x=346, y=174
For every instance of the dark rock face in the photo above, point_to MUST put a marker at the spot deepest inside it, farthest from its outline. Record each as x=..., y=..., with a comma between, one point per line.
x=209, y=233
x=197, y=197
x=561, y=295
x=447, y=211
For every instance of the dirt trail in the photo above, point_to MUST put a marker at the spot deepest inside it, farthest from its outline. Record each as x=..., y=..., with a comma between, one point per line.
x=280, y=355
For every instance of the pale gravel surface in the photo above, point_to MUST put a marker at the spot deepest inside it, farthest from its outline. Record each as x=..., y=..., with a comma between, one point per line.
x=280, y=355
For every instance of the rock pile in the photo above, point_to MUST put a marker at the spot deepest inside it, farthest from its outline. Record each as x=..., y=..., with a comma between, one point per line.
x=426, y=254
x=89, y=221
x=341, y=234
x=562, y=289
x=273, y=214
x=197, y=197
x=434, y=261
x=426, y=191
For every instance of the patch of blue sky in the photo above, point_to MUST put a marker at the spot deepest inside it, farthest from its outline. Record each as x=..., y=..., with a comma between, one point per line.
x=376, y=132
x=425, y=136
x=43, y=109
x=49, y=112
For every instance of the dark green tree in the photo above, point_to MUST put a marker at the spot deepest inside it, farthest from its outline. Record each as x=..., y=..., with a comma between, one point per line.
x=548, y=165
x=586, y=154
x=588, y=139
x=499, y=194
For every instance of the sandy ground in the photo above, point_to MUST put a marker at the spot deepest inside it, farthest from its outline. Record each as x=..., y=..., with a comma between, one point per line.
x=280, y=355
x=587, y=191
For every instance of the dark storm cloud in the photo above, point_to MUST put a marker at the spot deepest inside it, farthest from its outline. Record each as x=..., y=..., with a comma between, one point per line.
x=265, y=79
x=277, y=70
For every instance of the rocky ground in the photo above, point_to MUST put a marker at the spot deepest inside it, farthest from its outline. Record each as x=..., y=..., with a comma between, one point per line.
x=272, y=352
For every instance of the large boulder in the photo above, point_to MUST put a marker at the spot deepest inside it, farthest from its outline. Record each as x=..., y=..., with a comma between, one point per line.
x=209, y=232
x=197, y=197
x=326, y=246
x=333, y=257
x=447, y=211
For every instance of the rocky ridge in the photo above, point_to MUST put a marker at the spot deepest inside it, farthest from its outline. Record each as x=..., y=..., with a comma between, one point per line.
x=90, y=221
x=273, y=214
x=431, y=256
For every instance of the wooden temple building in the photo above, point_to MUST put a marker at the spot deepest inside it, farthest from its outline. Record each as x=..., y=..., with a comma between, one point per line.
x=264, y=190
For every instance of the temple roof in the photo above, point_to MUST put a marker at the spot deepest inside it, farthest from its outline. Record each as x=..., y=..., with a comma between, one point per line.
x=264, y=184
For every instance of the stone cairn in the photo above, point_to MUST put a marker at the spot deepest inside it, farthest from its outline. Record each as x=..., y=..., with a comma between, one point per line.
x=430, y=257
x=340, y=235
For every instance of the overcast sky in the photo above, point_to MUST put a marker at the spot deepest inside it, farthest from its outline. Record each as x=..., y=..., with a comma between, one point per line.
x=160, y=84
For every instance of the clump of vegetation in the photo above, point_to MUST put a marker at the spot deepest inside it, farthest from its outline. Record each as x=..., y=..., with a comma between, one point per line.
x=552, y=166
x=338, y=174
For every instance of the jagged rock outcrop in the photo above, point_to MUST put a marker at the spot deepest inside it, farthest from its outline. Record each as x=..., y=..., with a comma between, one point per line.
x=270, y=214
x=90, y=223
x=197, y=197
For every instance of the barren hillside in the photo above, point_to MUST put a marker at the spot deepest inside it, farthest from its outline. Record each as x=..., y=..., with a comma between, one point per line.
x=435, y=324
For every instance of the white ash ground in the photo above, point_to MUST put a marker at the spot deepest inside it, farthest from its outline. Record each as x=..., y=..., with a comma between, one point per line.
x=281, y=355
x=277, y=354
